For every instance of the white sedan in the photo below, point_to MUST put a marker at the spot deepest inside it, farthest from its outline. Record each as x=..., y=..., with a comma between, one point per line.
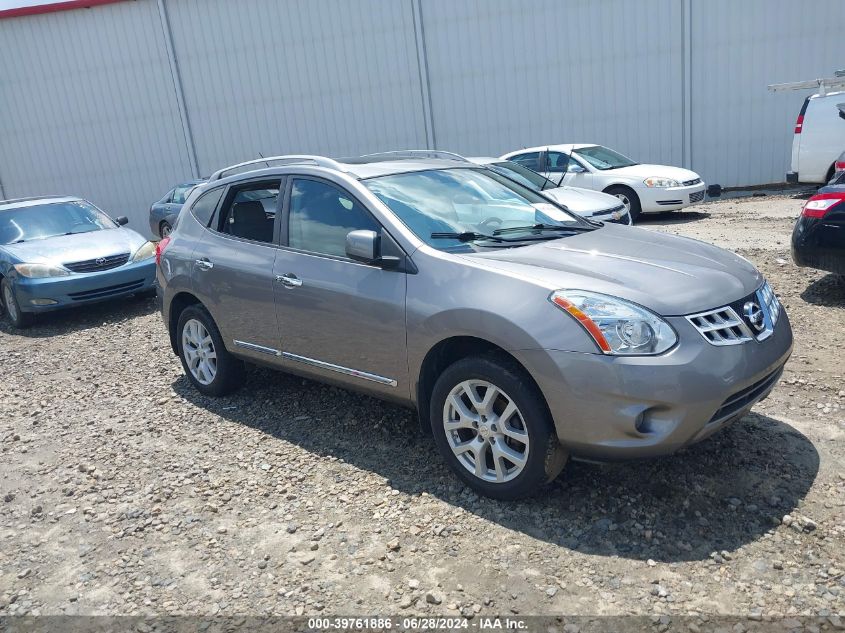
x=641, y=188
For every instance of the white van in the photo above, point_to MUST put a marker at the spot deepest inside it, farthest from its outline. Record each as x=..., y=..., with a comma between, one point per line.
x=819, y=139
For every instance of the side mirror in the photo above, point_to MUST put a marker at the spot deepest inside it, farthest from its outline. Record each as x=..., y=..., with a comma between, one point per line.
x=574, y=168
x=121, y=221
x=364, y=247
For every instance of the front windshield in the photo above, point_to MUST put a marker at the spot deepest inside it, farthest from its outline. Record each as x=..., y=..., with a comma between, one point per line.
x=522, y=175
x=471, y=201
x=603, y=157
x=43, y=221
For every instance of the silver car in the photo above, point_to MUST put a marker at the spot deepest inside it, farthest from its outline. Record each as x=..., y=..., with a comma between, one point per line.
x=522, y=334
x=594, y=205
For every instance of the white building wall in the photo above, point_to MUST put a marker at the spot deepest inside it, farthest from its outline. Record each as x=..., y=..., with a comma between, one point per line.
x=506, y=75
x=90, y=105
x=742, y=133
x=87, y=108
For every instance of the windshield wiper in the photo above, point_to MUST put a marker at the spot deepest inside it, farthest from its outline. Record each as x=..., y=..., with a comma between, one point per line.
x=545, y=227
x=467, y=236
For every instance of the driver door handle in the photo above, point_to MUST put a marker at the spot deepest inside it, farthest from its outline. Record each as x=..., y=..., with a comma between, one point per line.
x=289, y=280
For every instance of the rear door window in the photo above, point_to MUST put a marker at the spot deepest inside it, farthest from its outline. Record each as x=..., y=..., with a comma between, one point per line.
x=250, y=211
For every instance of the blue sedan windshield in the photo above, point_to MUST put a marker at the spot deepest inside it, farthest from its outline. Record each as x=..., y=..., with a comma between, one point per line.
x=43, y=221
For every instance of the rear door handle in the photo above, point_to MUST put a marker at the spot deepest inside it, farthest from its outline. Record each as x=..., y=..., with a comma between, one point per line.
x=204, y=264
x=289, y=280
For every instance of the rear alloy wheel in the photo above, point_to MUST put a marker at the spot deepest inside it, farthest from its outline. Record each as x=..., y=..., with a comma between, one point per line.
x=493, y=428
x=630, y=199
x=18, y=317
x=165, y=229
x=207, y=363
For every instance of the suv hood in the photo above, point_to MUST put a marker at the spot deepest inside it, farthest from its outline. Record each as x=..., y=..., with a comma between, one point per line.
x=76, y=248
x=582, y=201
x=647, y=171
x=668, y=274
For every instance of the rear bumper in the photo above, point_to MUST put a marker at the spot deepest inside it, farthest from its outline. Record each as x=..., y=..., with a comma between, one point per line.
x=653, y=199
x=611, y=408
x=81, y=289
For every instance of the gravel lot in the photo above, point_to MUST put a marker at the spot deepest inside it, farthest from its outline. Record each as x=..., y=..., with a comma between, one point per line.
x=123, y=491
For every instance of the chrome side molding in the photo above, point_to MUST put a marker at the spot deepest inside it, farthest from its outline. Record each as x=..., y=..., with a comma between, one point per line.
x=340, y=369
x=257, y=348
x=348, y=371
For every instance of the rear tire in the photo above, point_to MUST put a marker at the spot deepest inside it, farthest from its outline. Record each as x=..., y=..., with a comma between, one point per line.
x=164, y=229
x=19, y=319
x=629, y=198
x=493, y=428
x=212, y=370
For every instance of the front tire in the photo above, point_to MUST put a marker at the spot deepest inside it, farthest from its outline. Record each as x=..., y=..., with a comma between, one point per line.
x=629, y=198
x=164, y=229
x=18, y=317
x=493, y=428
x=211, y=369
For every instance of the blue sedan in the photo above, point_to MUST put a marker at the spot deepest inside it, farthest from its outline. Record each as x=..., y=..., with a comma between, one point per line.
x=163, y=213
x=62, y=252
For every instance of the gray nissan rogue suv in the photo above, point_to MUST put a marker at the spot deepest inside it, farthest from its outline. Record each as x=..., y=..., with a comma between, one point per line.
x=522, y=333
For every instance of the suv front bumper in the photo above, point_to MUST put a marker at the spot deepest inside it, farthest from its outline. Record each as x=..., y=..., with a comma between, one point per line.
x=616, y=407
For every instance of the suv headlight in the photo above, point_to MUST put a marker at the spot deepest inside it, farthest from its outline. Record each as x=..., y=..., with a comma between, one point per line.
x=656, y=181
x=617, y=326
x=40, y=271
x=145, y=252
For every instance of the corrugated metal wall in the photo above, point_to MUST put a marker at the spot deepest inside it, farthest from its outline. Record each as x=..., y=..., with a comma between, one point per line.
x=87, y=108
x=331, y=76
x=741, y=132
x=90, y=99
x=507, y=74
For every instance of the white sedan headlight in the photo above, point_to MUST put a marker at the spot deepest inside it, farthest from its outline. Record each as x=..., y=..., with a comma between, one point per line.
x=40, y=271
x=147, y=251
x=656, y=181
x=617, y=326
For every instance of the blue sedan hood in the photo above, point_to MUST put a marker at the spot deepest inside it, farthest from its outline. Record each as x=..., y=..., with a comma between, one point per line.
x=75, y=248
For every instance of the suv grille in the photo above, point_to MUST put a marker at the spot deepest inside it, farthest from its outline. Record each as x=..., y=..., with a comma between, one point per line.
x=733, y=324
x=694, y=181
x=721, y=326
x=96, y=265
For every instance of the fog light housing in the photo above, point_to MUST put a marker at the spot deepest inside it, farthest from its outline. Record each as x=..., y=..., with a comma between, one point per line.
x=43, y=302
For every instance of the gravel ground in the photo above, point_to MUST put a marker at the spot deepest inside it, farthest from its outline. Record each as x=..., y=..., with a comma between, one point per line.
x=123, y=491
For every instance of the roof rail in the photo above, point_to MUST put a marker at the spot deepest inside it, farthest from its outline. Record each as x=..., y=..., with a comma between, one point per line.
x=291, y=159
x=418, y=153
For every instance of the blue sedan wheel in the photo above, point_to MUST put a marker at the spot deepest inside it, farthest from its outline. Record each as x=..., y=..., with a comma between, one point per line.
x=18, y=318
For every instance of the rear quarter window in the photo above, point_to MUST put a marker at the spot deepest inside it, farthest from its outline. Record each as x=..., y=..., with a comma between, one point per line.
x=203, y=209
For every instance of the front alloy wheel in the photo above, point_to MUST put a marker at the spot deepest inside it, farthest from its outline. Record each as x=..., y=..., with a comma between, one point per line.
x=493, y=427
x=485, y=431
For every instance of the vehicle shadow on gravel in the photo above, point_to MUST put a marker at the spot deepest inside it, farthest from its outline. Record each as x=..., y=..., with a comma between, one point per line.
x=829, y=291
x=82, y=318
x=716, y=496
